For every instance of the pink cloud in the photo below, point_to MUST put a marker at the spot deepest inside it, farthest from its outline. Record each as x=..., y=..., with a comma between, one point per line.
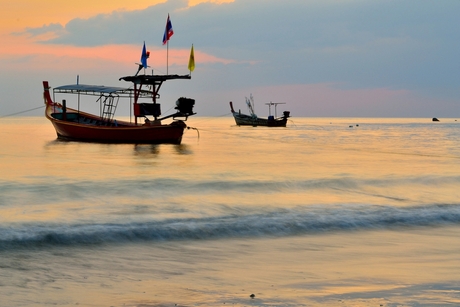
x=23, y=54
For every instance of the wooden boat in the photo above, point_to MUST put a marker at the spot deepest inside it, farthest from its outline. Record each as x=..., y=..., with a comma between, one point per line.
x=253, y=120
x=75, y=125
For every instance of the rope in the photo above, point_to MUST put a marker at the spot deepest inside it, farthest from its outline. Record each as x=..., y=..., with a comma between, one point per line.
x=198, y=131
x=25, y=111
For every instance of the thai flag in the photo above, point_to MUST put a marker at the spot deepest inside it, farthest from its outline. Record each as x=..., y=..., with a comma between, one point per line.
x=168, y=31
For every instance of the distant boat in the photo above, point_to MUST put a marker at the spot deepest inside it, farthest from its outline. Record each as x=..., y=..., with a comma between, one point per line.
x=253, y=120
x=75, y=125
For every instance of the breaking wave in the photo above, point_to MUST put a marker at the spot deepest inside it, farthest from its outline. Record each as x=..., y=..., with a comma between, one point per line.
x=276, y=223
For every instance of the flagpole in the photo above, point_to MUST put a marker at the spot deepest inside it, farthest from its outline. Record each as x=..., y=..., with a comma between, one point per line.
x=168, y=33
x=167, y=56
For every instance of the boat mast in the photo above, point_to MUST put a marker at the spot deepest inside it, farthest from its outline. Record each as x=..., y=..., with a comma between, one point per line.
x=273, y=104
x=250, y=103
x=78, y=82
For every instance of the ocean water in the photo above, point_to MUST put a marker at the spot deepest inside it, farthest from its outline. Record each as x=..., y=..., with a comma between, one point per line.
x=324, y=212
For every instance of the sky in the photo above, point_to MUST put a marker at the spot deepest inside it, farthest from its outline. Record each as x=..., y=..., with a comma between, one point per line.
x=323, y=58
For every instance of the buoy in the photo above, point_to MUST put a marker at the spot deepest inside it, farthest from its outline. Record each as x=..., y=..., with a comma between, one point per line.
x=252, y=295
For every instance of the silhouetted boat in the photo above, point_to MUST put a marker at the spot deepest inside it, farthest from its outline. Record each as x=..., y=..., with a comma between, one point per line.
x=253, y=120
x=73, y=124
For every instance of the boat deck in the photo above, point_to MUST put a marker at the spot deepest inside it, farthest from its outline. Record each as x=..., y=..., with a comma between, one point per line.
x=78, y=118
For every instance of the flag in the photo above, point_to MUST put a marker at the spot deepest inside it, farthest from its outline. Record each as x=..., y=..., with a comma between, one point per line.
x=168, y=31
x=191, y=61
x=144, y=57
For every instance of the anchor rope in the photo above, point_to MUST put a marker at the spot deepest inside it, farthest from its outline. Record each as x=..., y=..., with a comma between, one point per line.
x=25, y=111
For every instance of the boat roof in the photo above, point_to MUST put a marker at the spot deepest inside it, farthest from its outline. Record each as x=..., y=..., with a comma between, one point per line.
x=102, y=89
x=91, y=89
x=153, y=79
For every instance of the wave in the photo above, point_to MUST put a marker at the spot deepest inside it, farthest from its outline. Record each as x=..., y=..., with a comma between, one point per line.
x=276, y=223
x=14, y=193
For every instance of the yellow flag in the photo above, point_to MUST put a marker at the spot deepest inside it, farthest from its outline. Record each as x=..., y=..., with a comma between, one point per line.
x=191, y=61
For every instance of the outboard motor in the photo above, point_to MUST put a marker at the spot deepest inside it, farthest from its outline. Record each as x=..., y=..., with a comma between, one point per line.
x=185, y=106
x=286, y=114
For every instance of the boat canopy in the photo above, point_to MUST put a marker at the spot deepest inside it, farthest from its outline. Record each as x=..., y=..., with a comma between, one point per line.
x=91, y=89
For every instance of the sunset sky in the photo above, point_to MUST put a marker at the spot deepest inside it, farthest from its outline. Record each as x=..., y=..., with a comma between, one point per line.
x=379, y=58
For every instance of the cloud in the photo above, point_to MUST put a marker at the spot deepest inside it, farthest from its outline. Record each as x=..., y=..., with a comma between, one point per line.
x=371, y=47
x=118, y=27
x=56, y=29
x=375, y=43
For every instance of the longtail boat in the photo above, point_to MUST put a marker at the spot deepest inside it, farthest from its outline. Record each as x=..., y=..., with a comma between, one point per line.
x=253, y=120
x=76, y=125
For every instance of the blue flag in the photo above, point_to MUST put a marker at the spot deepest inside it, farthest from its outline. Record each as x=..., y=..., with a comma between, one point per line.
x=144, y=57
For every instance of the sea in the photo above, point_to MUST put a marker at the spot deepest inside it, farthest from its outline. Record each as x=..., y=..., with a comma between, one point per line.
x=323, y=212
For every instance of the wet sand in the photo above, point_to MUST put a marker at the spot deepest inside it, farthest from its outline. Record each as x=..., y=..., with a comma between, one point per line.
x=376, y=268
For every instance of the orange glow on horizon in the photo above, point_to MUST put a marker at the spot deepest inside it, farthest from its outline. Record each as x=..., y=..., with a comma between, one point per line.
x=21, y=14
x=19, y=55
x=19, y=50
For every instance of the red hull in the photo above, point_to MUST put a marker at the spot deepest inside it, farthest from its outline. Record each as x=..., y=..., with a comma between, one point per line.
x=75, y=125
x=119, y=133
